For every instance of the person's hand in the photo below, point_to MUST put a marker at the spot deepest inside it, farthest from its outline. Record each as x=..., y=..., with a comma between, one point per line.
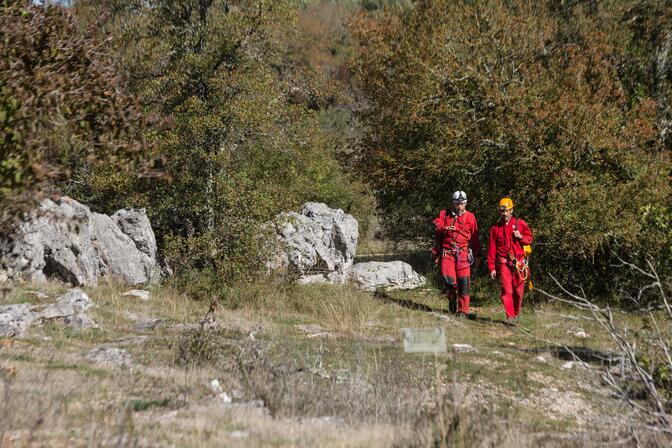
x=434, y=254
x=493, y=274
x=517, y=234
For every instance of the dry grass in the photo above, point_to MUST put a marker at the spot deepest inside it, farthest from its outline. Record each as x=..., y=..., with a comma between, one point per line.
x=345, y=384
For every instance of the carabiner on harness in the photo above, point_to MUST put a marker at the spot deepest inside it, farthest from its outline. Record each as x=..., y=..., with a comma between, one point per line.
x=470, y=257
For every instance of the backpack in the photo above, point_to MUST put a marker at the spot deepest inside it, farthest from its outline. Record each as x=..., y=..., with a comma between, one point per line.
x=527, y=249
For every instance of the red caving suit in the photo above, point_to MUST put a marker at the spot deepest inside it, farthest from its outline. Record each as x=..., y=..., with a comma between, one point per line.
x=454, y=235
x=503, y=245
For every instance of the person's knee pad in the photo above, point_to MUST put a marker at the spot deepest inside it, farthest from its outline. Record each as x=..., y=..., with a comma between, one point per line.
x=463, y=286
x=450, y=282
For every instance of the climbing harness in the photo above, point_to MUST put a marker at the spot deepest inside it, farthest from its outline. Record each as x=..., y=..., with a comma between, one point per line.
x=455, y=250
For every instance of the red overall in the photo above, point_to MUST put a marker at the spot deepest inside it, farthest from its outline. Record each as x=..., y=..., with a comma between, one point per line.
x=503, y=245
x=454, y=235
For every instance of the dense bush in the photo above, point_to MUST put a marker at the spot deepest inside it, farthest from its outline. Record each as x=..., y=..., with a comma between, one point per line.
x=63, y=109
x=523, y=99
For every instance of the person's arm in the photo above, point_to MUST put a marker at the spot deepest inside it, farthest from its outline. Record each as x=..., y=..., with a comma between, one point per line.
x=525, y=233
x=440, y=222
x=475, y=242
x=492, y=248
x=440, y=225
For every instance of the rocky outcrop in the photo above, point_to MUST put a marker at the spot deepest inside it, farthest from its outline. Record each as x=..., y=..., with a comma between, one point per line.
x=388, y=275
x=318, y=240
x=63, y=239
x=57, y=241
x=136, y=225
x=69, y=309
x=118, y=256
x=319, y=244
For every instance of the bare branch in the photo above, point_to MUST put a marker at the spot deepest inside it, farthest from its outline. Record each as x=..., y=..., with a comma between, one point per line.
x=654, y=416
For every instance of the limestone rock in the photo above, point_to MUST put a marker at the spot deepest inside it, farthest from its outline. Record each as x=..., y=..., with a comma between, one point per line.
x=320, y=243
x=77, y=298
x=137, y=294
x=118, y=256
x=334, y=278
x=463, y=348
x=63, y=239
x=312, y=279
x=389, y=275
x=80, y=321
x=216, y=387
x=320, y=239
x=57, y=241
x=15, y=320
x=69, y=309
x=135, y=224
x=109, y=356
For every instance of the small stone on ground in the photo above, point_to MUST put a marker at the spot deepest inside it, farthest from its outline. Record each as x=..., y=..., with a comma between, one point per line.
x=464, y=348
x=137, y=294
x=109, y=356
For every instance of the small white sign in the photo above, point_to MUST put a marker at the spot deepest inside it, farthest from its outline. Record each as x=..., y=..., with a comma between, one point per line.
x=424, y=340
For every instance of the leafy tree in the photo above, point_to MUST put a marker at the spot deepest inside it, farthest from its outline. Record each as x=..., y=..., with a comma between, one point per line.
x=63, y=109
x=240, y=148
x=512, y=98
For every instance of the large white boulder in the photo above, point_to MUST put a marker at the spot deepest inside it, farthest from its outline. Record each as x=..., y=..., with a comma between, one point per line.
x=63, y=239
x=319, y=244
x=388, y=275
x=15, y=319
x=319, y=239
x=118, y=256
x=56, y=241
x=135, y=224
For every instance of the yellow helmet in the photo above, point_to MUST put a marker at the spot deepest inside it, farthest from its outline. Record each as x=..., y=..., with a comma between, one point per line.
x=506, y=203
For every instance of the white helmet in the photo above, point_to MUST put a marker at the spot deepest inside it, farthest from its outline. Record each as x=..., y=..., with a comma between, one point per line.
x=459, y=196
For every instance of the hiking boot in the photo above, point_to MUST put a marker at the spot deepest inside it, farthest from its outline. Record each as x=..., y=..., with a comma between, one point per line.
x=511, y=320
x=461, y=315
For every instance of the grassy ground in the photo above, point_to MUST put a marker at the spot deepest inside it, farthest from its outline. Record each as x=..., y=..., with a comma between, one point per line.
x=307, y=366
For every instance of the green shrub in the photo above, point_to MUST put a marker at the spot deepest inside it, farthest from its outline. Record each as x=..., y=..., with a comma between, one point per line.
x=238, y=148
x=207, y=345
x=515, y=99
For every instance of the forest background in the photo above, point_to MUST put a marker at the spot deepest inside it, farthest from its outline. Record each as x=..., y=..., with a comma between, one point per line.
x=217, y=115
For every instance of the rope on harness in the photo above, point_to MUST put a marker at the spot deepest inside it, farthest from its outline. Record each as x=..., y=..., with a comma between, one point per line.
x=523, y=270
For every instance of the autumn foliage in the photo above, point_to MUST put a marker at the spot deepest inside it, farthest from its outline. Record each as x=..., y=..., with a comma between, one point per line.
x=63, y=109
x=263, y=105
x=517, y=99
